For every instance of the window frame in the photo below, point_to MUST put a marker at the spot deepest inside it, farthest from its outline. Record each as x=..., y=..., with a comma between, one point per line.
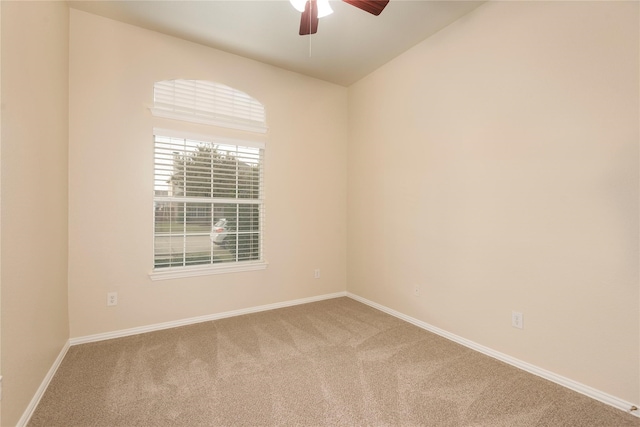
x=189, y=102
x=211, y=268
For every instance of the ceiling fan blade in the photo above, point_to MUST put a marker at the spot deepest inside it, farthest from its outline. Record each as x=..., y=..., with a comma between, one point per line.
x=374, y=7
x=309, y=19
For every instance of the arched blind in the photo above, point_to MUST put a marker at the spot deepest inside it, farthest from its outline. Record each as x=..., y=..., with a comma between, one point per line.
x=207, y=102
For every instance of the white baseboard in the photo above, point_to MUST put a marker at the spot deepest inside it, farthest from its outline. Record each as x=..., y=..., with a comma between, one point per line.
x=199, y=319
x=26, y=416
x=548, y=375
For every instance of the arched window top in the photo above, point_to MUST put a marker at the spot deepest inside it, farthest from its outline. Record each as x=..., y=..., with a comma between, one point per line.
x=207, y=102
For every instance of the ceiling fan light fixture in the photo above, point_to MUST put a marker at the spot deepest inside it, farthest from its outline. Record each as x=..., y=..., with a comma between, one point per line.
x=324, y=8
x=298, y=4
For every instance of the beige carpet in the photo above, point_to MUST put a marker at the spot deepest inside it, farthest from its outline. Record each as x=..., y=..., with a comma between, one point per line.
x=331, y=363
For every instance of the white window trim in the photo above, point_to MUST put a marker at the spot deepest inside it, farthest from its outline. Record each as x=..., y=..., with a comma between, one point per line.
x=169, y=273
x=206, y=270
x=172, y=133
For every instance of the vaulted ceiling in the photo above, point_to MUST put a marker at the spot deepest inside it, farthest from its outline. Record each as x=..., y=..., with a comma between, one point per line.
x=349, y=44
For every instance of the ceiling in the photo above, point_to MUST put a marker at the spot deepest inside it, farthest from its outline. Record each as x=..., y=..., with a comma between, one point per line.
x=349, y=44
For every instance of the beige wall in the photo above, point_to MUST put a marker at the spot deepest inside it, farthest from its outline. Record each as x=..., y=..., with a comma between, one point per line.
x=34, y=197
x=112, y=70
x=495, y=165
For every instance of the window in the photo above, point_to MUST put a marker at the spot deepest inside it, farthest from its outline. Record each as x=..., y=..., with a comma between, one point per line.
x=208, y=103
x=208, y=196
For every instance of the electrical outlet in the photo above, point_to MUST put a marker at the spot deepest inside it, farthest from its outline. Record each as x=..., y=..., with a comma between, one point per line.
x=316, y=273
x=517, y=320
x=112, y=298
x=416, y=290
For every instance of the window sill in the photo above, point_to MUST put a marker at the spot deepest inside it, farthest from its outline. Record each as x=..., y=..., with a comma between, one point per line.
x=181, y=272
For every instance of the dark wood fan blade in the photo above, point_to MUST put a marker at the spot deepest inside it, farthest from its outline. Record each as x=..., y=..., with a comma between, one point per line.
x=374, y=7
x=309, y=19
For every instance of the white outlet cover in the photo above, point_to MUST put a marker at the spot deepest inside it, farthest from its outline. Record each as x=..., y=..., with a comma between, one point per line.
x=112, y=298
x=517, y=320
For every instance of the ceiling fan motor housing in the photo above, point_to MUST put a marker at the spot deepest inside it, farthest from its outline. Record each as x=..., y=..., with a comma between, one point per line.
x=309, y=19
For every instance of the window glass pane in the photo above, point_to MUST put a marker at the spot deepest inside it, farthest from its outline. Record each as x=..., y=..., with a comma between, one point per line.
x=193, y=224
x=169, y=217
x=249, y=181
x=168, y=251
x=248, y=218
x=248, y=246
x=197, y=249
x=198, y=217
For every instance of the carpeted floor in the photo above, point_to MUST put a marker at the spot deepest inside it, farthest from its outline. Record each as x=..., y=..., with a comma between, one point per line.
x=330, y=363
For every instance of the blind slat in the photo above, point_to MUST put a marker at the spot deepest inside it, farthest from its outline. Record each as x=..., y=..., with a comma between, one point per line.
x=198, y=183
x=208, y=101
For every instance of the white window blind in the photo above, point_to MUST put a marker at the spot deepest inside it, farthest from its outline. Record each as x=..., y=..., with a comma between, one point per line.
x=208, y=201
x=207, y=102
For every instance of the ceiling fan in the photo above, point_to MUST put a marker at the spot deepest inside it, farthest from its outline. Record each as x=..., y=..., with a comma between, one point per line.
x=312, y=10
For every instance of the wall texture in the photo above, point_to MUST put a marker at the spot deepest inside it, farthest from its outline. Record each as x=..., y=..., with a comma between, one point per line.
x=495, y=165
x=112, y=70
x=35, y=326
